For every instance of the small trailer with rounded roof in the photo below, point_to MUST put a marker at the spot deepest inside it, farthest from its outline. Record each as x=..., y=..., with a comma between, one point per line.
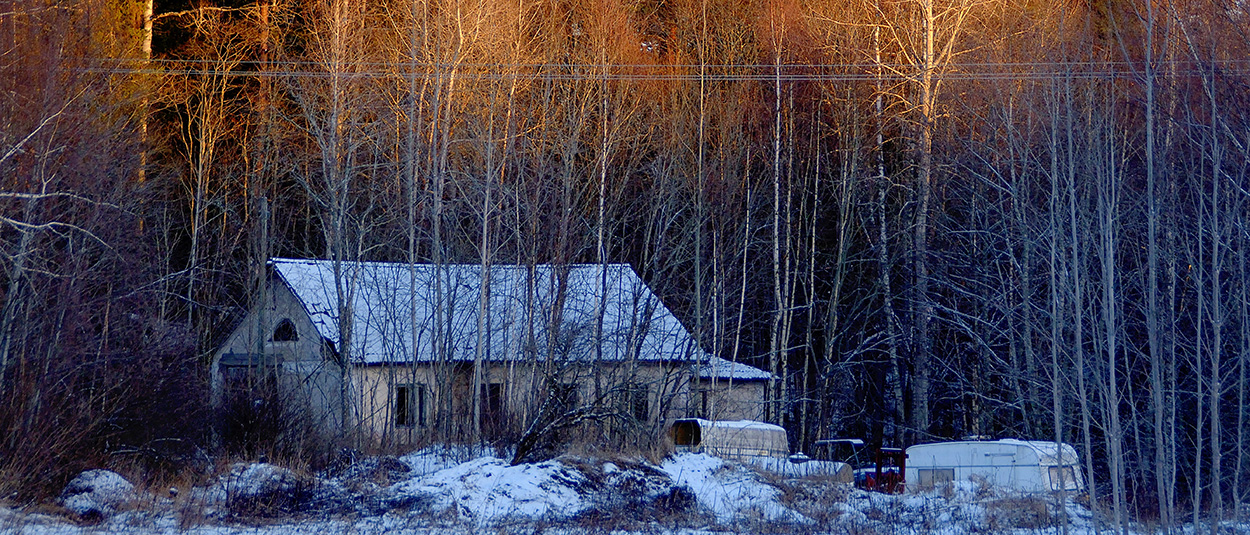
x=737, y=439
x=1023, y=465
x=760, y=444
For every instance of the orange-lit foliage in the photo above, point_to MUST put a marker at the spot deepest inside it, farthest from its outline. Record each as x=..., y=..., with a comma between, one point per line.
x=503, y=118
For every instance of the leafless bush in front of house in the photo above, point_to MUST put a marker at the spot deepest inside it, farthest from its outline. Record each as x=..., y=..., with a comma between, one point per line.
x=257, y=421
x=133, y=412
x=259, y=490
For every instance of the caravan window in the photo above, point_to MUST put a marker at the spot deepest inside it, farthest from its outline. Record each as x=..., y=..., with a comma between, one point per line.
x=932, y=477
x=1063, y=478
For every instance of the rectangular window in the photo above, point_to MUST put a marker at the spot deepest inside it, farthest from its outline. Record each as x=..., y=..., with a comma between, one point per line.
x=410, y=405
x=932, y=477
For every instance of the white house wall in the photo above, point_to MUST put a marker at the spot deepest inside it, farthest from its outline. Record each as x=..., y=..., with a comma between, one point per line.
x=307, y=379
x=667, y=390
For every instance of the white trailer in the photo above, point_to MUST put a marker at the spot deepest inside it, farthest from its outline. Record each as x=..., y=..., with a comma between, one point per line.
x=738, y=439
x=759, y=444
x=1023, y=465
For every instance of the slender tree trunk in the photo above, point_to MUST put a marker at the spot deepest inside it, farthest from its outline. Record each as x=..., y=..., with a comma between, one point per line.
x=700, y=202
x=417, y=43
x=483, y=310
x=833, y=319
x=145, y=104
x=1108, y=203
x=601, y=251
x=775, y=355
x=441, y=138
x=206, y=114
x=1199, y=277
x=1240, y=468
x=745, y=252
x=1153, y=341
x=809, y=351
x=924, y=308
x=789, y=260
x=1057, y=312
x=1215, y=355
x=1019, y=190
x=1170, y=366
x=1078, y=293
x=14, y=293
x=892, y=324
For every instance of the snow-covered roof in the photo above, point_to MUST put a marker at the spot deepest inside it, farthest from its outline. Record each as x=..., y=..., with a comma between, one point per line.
x=402, y=311
x=736, y=424
x=719, y=369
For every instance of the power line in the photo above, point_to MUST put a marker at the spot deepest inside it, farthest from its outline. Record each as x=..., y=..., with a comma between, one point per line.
x=833, y=72
x=691, y=66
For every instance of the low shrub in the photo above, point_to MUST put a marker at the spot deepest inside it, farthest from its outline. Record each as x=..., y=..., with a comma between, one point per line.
x=1021, y=512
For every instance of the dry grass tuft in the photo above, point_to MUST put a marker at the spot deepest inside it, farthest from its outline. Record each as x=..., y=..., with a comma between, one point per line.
x=1028, y=512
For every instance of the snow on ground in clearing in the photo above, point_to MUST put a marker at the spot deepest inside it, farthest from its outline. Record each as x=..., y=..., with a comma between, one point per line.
x=461, y=492
x=434, y=458
x=488, y=490
x=727, y=489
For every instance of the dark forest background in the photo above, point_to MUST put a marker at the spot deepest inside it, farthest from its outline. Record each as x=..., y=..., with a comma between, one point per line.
x=930, y=218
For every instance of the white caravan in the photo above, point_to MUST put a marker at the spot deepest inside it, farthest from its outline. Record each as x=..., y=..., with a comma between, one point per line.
x=1023, y=465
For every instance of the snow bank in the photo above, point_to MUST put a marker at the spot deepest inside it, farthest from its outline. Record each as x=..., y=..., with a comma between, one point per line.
x=257, y=479
x=96, y=493
x=437, y=491
x=730, y=491
x=434, y=458
x=257, y=489
x=488, y=490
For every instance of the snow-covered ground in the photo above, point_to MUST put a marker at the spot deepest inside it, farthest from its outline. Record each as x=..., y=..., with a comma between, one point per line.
x=438, y=490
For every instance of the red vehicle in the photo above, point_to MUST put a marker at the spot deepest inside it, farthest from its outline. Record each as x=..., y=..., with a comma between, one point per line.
x=890, y=474
x=876, y=468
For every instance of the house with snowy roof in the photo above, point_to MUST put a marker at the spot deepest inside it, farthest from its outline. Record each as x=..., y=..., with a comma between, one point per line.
x=390, y=350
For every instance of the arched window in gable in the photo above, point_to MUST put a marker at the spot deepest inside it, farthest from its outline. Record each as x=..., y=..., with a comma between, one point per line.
x=285, y=332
